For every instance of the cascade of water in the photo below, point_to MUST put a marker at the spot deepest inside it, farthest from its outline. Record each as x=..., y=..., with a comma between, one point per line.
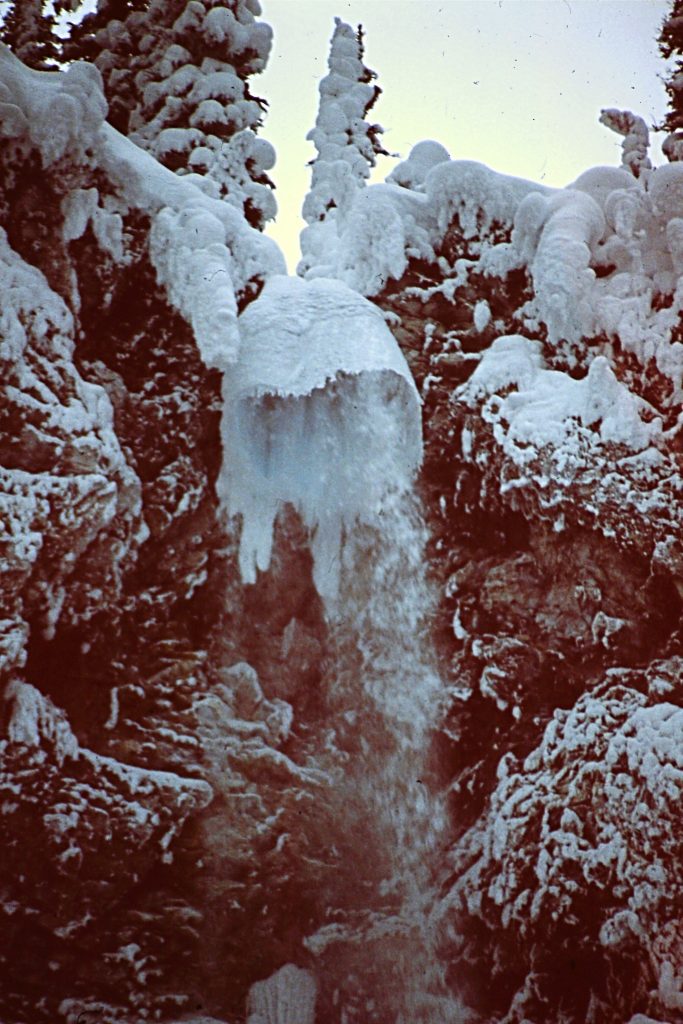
x=380, y=624
x=322, y=413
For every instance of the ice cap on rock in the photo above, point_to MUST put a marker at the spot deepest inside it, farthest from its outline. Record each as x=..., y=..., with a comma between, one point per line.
x=321, y=412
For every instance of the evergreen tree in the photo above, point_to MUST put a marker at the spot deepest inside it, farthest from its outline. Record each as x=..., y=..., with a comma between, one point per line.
x=346, y=144
x=175, y=75
x=29, y=30
x=671, y=46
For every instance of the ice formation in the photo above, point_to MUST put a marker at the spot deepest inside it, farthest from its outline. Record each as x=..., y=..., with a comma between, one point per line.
x=288, y=997
x=320, y=411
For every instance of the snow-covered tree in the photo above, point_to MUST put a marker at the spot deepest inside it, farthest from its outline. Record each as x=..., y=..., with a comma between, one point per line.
x=175, y=75
x=347, y=145
x=671, y=46
x=29, y=30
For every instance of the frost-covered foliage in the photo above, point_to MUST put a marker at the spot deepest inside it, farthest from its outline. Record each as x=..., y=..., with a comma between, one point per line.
x=346, y=147
x=671, y=46
x=175, y=76
x=28, y=28
x=636, y=139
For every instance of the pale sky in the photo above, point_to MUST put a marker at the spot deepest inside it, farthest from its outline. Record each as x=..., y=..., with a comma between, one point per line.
x=516, y=84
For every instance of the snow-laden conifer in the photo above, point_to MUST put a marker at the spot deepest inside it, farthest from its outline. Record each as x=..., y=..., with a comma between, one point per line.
x=346, y=145
x=175, y=75
x=671, y=47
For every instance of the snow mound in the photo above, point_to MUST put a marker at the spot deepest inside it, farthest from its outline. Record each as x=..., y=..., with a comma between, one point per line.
x=532, y=405
x=320, y=412
x=412, y=172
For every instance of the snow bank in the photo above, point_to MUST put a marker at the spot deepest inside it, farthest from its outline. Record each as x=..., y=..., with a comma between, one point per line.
x=320, y=412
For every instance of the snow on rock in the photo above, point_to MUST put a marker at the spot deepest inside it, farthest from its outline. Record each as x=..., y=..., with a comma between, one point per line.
x=482, y=315
x=546, y=404
x=592, y=808
x=64, y=479
x=57, y=797
x=34, y=718
x=542, y=438
x=320, y=412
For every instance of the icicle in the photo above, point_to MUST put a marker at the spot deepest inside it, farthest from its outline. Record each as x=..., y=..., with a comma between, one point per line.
x=287, y=997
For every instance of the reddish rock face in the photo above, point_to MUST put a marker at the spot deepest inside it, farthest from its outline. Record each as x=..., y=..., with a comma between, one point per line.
x=187, y=797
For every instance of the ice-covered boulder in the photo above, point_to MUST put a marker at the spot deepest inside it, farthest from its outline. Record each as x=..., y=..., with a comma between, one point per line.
x=320, y=412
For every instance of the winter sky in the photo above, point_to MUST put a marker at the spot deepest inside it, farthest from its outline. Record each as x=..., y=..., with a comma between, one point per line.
x=516, y=84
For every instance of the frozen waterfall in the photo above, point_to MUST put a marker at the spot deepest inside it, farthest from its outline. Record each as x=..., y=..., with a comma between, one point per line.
x=321, y=412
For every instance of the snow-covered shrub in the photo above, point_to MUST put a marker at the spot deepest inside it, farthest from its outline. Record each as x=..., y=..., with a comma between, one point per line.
x=636, y=138
x=411, y=173
x=671, y=45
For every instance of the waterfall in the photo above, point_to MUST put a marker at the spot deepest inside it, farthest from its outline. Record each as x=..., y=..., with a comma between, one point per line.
x=321, y=413
x=381, y=629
